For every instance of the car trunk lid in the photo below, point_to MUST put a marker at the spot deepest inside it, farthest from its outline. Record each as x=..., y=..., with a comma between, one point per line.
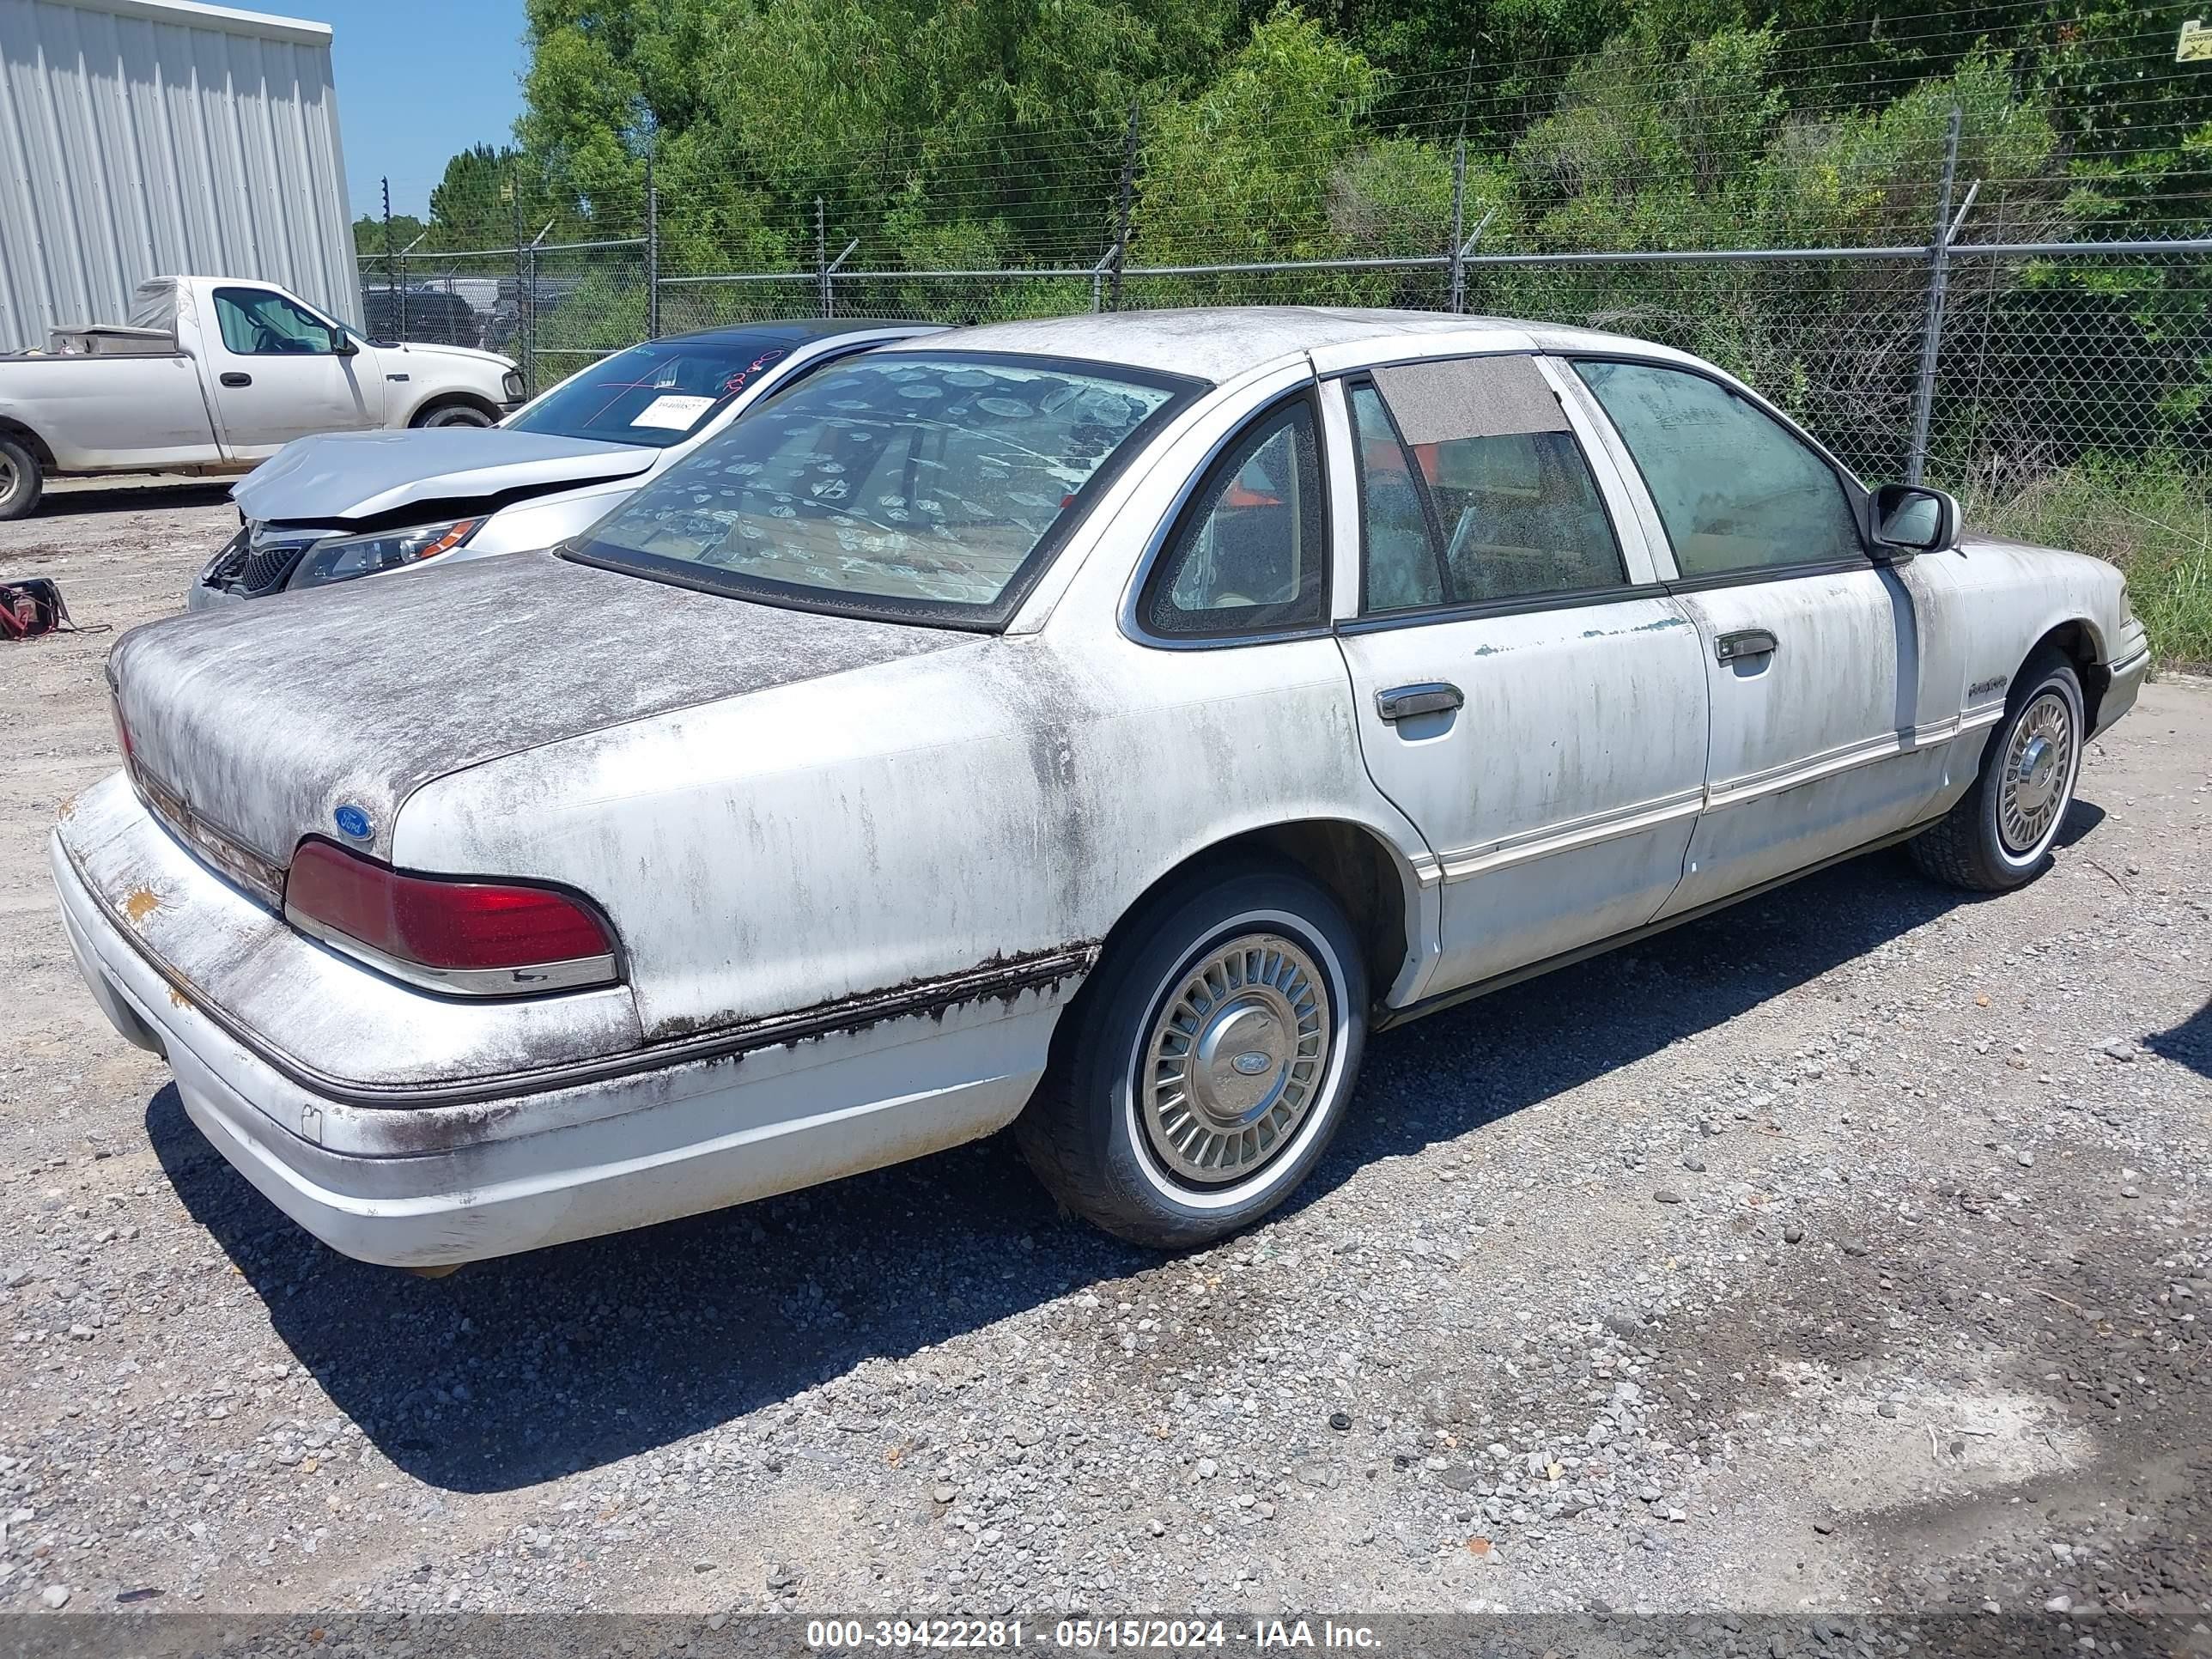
x=252, y=726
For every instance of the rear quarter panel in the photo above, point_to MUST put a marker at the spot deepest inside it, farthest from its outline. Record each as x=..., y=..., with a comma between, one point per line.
x=907, y=823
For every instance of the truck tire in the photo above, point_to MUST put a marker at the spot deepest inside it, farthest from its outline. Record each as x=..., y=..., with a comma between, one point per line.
x=1209, y=1060
x=455, y=414
x=21, y=481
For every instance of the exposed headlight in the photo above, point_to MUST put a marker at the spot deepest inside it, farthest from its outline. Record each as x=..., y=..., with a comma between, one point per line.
x=345, y=558
x=514, y=386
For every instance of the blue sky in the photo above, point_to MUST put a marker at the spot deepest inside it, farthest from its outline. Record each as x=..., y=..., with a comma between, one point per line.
x=418, y=80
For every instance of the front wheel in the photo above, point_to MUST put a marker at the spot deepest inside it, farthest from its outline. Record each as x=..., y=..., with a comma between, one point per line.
x=21, y=482
x=1216, y=1047
x=455, y=415
x=2000, y=834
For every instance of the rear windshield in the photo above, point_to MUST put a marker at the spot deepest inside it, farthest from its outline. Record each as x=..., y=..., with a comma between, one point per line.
x=928, y=486
x=656, y=394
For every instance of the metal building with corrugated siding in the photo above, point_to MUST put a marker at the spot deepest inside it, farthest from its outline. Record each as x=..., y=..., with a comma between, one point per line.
x=147, y=138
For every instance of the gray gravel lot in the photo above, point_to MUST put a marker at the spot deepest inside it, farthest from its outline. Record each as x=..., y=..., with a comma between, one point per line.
x=1848, y=1252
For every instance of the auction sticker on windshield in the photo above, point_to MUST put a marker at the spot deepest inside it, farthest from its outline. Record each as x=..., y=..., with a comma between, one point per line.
x=674, y=412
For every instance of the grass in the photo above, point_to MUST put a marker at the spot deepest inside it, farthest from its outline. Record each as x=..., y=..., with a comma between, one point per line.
x=2151, y=516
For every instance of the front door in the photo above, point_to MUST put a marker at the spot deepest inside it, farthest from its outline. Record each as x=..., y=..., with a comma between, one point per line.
x=1823, y=738
x=282, y=373
x=1527, y=695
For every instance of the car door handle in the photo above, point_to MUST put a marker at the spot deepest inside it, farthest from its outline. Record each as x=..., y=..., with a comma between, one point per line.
x=1430, y=697
x=234, y=378
x=1746, y=643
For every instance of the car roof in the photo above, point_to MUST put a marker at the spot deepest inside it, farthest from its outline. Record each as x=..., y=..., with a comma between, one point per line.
x=792, y=331
x=1217, y=343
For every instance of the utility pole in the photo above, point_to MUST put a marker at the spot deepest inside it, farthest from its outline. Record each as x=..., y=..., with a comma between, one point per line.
x=392, y=264
x=822, y=256
x=651, y=249
x=1455, y=301
x=1931, y=332
x=510, y=188
x=1121, y=211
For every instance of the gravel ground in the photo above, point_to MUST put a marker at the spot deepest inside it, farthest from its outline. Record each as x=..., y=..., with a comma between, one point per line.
x=1848, y=1252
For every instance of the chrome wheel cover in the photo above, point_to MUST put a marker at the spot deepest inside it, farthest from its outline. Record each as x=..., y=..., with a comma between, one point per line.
x=1238, y=1051
x=10, y=478
x=2036, y=780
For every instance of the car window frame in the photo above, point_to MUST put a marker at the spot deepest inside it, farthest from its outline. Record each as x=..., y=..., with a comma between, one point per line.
x=1183, y=389
x=1365, y=621
x=1191, y=499
x=336, y=331
x=1855, y=495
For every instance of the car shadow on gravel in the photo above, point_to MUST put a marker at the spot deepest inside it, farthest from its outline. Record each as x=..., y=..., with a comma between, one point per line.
x=2189, y=1043
x=515, y=1371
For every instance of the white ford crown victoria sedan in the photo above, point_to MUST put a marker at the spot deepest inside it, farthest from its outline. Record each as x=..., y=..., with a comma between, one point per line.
x=1097, y=726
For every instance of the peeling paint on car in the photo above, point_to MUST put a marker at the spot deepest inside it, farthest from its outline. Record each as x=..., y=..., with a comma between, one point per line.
x=361, y=693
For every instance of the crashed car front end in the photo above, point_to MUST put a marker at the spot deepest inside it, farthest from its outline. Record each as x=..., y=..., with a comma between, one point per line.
x=262, y=559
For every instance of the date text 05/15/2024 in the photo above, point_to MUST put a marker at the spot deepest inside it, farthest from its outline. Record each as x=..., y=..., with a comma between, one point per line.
x=1108, y=1635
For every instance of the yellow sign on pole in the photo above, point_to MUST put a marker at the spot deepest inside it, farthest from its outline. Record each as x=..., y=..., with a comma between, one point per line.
x=2195, y=45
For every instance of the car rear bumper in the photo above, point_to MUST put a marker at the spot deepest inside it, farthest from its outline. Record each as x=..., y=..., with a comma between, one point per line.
x=498, y=1175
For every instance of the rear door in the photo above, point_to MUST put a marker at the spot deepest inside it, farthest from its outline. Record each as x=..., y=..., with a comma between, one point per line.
x=279, y=371
x=1528, y=694
x=1811, y=650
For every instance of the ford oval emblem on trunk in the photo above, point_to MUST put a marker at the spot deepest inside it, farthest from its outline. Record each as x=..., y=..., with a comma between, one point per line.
x=353, y=822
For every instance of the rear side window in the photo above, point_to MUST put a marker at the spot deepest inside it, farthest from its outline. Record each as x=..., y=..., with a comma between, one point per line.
x=1249, y=554
x=1473, y=489
x=1736, y=490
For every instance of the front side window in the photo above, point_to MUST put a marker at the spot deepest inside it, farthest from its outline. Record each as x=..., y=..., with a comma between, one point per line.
x=933, y=486
x=1473, y=491
x=1249, y=554
x=1735, y=489
x=656, y=394
x=255, y=323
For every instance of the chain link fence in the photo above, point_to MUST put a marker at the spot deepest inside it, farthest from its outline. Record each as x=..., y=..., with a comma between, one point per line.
x=1985, y=364
x=2043, y=354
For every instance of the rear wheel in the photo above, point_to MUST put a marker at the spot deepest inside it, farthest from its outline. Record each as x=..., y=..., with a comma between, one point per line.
x=455, y=415
x=21, y=481
x=2000, y=834
x=1218, y=1044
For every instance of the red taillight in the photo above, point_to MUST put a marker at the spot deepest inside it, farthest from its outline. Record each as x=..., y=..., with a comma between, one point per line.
x=122, y=732
x=478, y=936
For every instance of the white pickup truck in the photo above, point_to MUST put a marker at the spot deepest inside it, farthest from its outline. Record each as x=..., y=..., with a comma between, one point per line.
x=213, y=375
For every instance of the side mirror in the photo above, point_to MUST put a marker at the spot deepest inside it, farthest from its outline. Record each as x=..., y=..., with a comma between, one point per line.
x=1910, y=518
x=345, y=347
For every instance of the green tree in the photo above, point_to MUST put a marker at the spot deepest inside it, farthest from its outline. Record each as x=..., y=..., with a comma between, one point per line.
x=369, y=241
